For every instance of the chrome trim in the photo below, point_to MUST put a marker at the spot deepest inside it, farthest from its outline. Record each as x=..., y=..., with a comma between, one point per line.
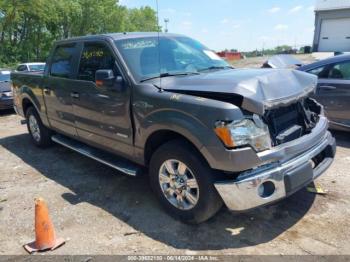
x=243, y=194
x=88, y=154
x=122, y=135
x=339, y=124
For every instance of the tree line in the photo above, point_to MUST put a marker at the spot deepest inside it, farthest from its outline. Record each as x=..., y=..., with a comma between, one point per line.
x=282, y=49
x=29, y=27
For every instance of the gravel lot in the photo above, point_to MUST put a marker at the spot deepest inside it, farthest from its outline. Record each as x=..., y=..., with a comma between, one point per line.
x=257, y=62
x=100, y=211
x=103, y=212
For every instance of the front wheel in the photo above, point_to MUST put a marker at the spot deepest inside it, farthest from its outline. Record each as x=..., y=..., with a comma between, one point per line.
x=41, y=135
x=183, y=182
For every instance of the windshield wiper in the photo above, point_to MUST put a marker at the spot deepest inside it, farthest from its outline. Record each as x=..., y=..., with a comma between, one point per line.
x=168, y=75
x=215, y=68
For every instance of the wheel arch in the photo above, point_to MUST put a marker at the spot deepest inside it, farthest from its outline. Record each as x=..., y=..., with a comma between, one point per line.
x=160, y=137
x=29, y=99
x=26, y=103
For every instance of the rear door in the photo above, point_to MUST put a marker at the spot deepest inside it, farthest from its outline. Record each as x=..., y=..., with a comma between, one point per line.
x=333, y=91
x=58, y=87
x=102, y=113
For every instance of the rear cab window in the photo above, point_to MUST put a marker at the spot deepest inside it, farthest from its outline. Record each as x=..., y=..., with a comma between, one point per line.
x=62, y=63
x=38, y=67
x=22, y=68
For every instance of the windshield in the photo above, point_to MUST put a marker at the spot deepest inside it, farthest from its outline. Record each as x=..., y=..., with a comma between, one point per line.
x=4, y=77
x=175, y=55
x=40, y=67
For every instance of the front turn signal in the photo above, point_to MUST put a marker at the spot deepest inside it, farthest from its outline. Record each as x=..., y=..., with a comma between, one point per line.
x=225, y=135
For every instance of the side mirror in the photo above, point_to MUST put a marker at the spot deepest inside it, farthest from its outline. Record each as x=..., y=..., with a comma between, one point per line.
x=104, y=77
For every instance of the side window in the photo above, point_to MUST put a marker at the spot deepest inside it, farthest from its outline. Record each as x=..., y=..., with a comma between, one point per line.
x=95, y=56
x=321, y=72
x=22, y=68
x=62, y=61
x=340, y=71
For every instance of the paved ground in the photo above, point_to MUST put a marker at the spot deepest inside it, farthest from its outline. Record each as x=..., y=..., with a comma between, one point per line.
x=103, y=212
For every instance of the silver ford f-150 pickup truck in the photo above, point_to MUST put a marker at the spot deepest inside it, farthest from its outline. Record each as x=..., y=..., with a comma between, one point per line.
x=209, y=134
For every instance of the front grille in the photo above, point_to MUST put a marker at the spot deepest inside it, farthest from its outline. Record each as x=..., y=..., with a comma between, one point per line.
x=291, y=122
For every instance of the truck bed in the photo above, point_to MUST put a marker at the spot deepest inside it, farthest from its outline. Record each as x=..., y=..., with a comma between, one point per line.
x=27, y=84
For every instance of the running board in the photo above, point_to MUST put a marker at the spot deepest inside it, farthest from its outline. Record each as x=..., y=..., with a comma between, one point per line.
x=106, y=158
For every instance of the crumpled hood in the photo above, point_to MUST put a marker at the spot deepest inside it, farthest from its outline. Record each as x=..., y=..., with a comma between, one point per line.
x=5, y=87
x=256, y=89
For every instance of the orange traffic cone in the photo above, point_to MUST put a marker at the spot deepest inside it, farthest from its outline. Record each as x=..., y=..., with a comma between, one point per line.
x=45, y=237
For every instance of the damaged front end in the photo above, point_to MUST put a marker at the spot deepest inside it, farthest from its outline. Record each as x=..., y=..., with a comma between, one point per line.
x=293, y=121
x=255, y=91
x=277, y=126
x=302, y=149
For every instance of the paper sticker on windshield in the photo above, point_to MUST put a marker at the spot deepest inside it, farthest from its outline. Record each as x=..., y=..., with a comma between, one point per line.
x=93, y=53
x=139, y=43
x=212, y=55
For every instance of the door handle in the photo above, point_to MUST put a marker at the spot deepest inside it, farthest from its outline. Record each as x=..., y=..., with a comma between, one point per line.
x=47, y=91
x=328, y=87
x=74, y=95
x=102, y=96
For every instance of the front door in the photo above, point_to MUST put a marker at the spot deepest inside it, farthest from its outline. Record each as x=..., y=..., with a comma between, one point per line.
x=333, y=91
x=102, y=113
x=58, y=86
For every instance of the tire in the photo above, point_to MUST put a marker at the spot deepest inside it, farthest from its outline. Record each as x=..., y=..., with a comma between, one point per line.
x=175, y=154
x=41, y=135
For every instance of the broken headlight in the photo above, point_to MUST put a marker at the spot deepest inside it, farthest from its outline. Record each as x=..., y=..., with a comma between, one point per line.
x=253, y=132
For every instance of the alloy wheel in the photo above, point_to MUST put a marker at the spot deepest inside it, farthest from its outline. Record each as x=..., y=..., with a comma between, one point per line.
x=178, y=184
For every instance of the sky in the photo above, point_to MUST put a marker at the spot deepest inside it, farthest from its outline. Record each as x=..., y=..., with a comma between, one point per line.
x=237, y=24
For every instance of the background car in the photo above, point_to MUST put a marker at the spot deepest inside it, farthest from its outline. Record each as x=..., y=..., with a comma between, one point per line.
x=282, y=61
x=6, y=96
x=333, y=89
x=31, y=67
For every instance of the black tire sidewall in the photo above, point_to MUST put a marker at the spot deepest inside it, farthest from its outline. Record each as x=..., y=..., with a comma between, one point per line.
x=209, y=201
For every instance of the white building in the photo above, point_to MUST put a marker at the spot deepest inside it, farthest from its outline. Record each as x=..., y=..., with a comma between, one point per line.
x=332, y=26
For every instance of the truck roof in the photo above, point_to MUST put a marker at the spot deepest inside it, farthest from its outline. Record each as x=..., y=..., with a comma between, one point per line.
x=5, y=71
x=116, y=36
x=327, y=61
x=33, y=63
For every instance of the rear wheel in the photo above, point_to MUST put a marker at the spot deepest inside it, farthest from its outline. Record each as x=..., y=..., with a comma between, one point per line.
x=41, y=135
x=183, y=182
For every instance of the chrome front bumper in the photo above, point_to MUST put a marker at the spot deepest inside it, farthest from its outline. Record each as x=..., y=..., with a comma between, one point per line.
x=275, y=181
